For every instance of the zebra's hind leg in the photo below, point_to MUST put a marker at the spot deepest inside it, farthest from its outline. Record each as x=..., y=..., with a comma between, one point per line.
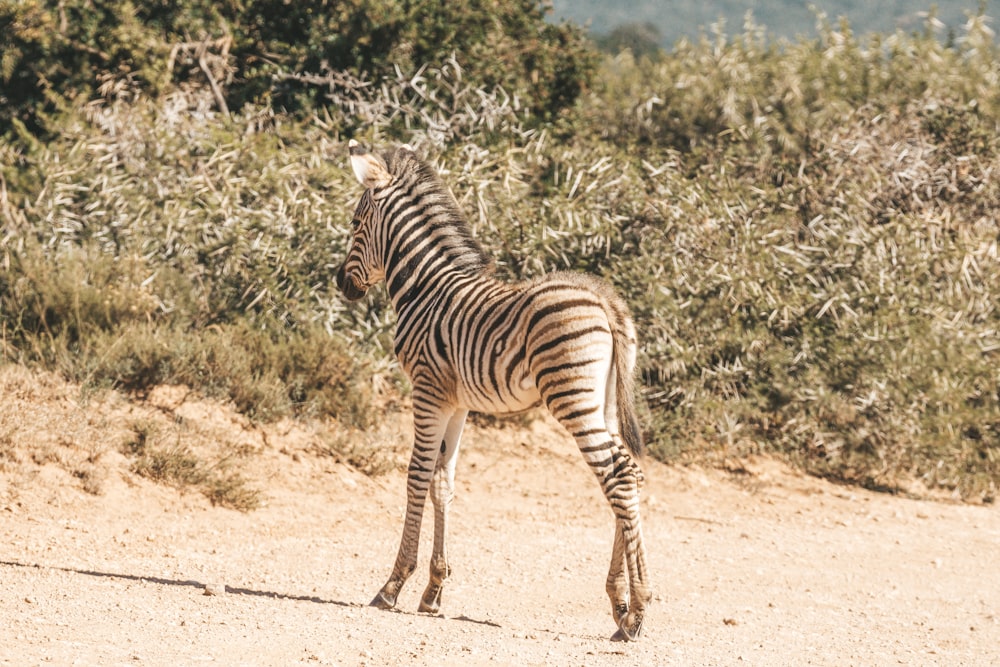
x=627, y=583
x=623, y=493
x=429, y=428
x=442, y=493
x=617, y=584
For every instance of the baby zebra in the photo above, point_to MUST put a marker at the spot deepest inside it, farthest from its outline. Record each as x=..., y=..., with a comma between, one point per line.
x=469, y=341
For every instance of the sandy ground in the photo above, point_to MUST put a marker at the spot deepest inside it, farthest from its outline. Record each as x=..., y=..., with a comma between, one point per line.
x=99, y=566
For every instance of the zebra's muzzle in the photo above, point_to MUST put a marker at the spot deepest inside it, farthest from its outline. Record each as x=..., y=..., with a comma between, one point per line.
x=348, y=285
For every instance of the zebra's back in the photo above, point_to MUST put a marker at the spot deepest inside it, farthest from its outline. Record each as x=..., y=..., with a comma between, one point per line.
x=507, y=347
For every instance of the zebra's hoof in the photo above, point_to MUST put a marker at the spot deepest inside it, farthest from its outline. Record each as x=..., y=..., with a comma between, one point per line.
x=629, y=628
x=620, y=611
x=430, y=603
x=432, y=607
x=383, y=601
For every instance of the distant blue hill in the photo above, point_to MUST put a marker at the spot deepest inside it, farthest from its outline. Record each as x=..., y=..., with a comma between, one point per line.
x=789, y=19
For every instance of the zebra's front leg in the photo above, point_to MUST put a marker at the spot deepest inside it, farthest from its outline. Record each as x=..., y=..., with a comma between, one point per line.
x=429, y=429
x=442, y=493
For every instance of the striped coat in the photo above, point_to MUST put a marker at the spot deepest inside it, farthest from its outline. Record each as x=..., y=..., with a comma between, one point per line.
x=469, y=341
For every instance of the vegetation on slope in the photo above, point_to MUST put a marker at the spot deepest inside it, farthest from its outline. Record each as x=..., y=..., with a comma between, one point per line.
x=807, y=234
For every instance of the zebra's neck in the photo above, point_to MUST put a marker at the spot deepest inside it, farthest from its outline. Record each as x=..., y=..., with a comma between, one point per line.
x=434, y=268
x=430, y=246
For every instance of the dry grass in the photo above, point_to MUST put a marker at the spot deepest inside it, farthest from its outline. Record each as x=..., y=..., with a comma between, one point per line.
x=374, y=453
x=167, y=455
x=31, y=434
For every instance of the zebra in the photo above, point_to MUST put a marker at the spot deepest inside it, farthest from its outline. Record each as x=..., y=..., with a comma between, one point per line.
x=469, y=341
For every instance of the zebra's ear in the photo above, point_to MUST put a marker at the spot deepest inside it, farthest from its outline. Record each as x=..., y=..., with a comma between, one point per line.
x=369, y=169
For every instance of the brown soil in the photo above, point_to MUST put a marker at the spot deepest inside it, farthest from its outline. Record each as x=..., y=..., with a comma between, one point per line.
x=99, y=566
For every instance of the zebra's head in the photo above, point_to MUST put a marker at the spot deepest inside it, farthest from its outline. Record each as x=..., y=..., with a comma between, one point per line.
x=364, y=266
x=403, y=197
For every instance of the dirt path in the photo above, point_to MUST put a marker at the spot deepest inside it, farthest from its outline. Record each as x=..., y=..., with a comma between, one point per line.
x=769, y=568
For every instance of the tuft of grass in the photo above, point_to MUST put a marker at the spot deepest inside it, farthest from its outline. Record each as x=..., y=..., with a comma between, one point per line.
x=364, y=452
x=91, y=478
x=170, y=461
x=8, y=450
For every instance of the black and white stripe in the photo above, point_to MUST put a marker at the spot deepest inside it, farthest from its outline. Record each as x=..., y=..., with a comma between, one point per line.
x=469, y=341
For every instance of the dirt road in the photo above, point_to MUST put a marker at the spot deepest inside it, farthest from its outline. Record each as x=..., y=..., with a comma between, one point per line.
x=765, y=568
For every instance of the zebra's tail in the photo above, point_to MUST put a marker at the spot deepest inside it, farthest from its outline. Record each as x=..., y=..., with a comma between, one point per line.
x=619, y=403
x=624, y=354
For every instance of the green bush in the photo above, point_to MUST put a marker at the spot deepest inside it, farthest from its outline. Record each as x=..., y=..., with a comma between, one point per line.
x=55, y=53
x=639, y=39
x=779, y=98
x=157, y=248
x=506, y=44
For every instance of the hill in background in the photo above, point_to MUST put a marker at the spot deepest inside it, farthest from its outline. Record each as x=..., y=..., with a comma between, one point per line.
x=788, y=19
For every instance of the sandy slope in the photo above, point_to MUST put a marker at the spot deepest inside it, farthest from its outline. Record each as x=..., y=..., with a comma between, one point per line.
x=768, y=568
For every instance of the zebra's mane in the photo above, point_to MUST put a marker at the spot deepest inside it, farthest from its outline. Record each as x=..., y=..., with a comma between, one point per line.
x=466, y=252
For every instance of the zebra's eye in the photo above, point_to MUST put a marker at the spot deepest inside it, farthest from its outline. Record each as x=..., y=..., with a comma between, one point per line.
x=355, y=223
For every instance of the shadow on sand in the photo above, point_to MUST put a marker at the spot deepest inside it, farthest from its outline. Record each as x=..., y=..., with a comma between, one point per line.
x=179, y=582
x=192, y=583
